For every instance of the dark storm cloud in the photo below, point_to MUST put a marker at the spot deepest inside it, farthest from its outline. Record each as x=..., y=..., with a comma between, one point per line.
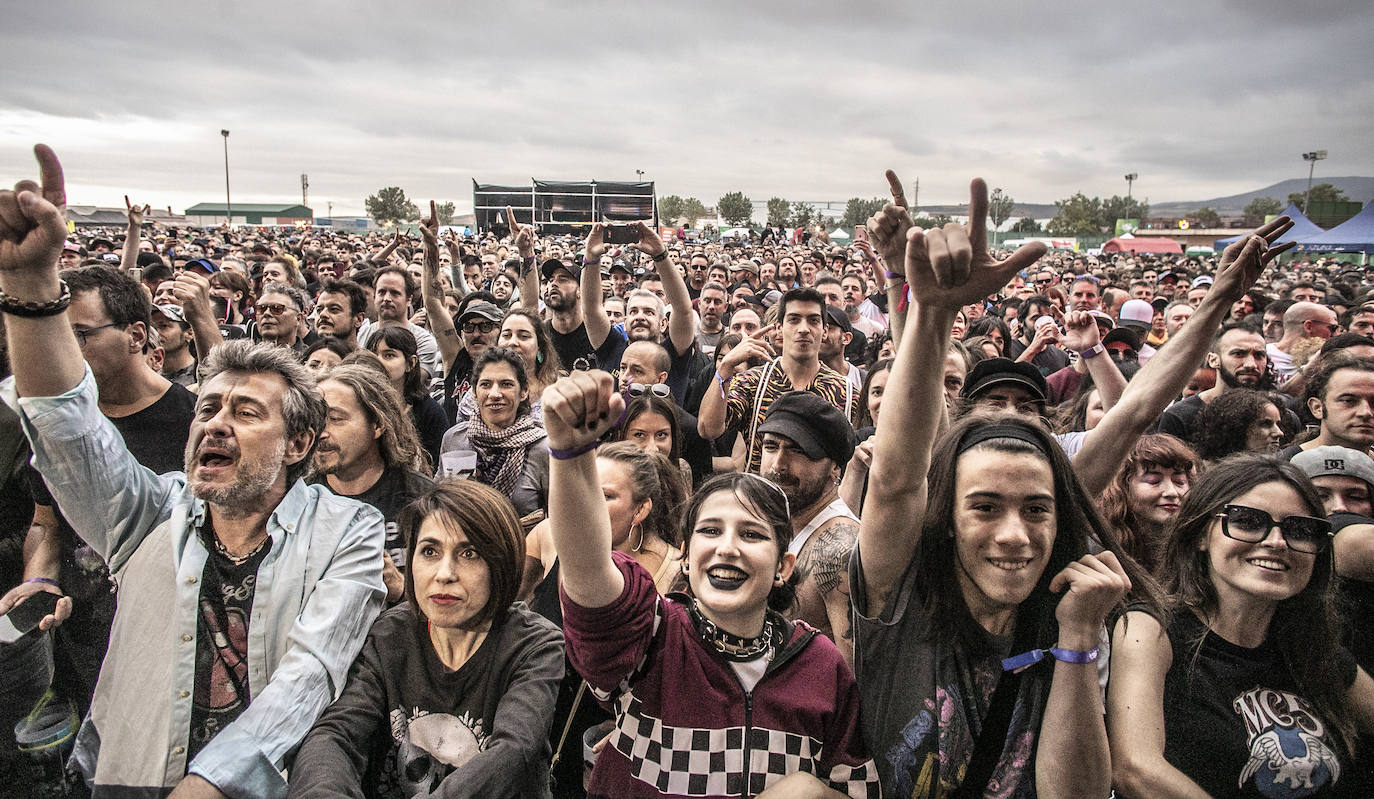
x=803, y=100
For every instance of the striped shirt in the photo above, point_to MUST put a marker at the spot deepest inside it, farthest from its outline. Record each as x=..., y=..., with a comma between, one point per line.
x=746, y=404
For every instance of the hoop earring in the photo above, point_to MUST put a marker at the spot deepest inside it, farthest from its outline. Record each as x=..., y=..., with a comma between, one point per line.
x=639, y=545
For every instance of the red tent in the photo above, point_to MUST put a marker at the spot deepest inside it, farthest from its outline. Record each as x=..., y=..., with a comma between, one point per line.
x=1151, y=244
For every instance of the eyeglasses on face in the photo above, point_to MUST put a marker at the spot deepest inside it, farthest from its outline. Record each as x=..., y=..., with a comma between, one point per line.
x=485, y=326
x=1305, y=534
x=84, y=335
x=657, y=389
x=274, y=308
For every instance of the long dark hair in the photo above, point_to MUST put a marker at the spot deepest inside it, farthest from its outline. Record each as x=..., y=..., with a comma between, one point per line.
x=399, y=338
x=648, y=403
x=1077, y=523
x=865, y=418
x=1305, y=627
x=761, y=498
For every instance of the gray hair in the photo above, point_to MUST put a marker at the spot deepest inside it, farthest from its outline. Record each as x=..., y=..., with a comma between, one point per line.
x=303, y=409
x=645, y=293
x=297, y=296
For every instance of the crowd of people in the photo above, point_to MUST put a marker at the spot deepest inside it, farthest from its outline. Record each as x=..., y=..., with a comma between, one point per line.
x=312, y=513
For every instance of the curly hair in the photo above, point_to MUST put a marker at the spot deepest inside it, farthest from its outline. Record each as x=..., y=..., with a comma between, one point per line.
x=1223, y=425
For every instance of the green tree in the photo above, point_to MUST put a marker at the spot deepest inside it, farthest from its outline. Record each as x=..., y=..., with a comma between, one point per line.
x=1206, y=217
x=928, y=222
x=778, y=211
x=1118, y=207
x=999, y=207
x=857, y=211
x=670, y=209
x=692, y=210
x=445, y=213
x=1321, y=193
x=803, y=214
x=1026, y=225
x=735, y=208
x=1260, y=207
x=1078, y=215
x=391, y=205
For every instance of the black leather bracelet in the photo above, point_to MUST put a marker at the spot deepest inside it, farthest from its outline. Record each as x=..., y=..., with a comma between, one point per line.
x=36, y=310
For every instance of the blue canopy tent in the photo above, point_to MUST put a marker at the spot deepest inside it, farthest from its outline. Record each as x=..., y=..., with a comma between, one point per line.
x=1356, y=234
x=1302, y=228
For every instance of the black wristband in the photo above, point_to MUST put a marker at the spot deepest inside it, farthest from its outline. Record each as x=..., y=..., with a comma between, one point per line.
x=36, y=310
x=659, y=257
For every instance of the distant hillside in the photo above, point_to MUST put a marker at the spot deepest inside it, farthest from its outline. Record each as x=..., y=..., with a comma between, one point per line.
x=1356, y=188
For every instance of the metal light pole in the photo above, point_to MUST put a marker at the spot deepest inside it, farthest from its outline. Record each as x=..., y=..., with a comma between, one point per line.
x=1312, y=158
x=228, y=209
x=1130, y=178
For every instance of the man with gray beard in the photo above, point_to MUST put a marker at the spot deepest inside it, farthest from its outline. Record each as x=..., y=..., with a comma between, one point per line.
x=244, y=594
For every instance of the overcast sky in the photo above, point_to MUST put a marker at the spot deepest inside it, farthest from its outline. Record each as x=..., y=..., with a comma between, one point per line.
x=799, y=99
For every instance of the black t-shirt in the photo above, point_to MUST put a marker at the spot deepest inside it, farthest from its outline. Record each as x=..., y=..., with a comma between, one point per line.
x=431, y=423
x=220, y=688
x=1178, y=419
x=157, y=435
x=1235, y=725
x=575, y=350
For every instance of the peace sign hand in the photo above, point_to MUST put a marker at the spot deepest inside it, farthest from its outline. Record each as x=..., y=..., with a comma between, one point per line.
x=950, y=267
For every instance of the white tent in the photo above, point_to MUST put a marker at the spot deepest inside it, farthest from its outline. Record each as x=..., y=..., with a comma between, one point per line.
x=838, y=234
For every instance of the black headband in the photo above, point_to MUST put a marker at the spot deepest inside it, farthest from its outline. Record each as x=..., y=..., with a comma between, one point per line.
x=978, y=435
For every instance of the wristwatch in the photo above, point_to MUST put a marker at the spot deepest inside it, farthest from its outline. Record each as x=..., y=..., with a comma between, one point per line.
x=1092, y=352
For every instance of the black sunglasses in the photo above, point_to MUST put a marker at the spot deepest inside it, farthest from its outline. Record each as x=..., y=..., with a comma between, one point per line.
x=1302, y=533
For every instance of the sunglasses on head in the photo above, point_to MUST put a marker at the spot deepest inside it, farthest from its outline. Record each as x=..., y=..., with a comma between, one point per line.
x=657, y=389
x=1305, y=534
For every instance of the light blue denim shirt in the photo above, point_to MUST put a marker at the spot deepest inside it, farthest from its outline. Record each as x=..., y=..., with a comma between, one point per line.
x=318, y=591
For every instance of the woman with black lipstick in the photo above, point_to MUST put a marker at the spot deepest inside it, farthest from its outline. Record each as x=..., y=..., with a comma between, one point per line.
x=714, y=692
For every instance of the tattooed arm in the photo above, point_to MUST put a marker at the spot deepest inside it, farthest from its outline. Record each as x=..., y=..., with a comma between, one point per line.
x=828, y=565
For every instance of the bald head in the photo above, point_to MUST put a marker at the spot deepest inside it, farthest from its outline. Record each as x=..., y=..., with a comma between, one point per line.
x=1308, y=320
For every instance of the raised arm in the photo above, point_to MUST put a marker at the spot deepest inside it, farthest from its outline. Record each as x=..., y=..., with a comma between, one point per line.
x=593, y=311
x=192, y=290
x=44, y=355
x=131, y=235
x=1081, y=333
x=523, y=238
x=432, y=292
x=1168, y=372
x=578, y=410
x=888, y=228
x=947, y=269
x=380, y=258
x=682, y=326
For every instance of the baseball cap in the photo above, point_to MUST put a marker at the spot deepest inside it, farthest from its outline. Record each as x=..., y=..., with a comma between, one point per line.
x=818, y=428
x=1137, y=313
x=71, y=246
x=204, y=264
x=483, y=309
x=1103, y=320
x=172, y=312
x=1329, y=460
x=837, y=317
x=1202, y=280
x=553, y=264
x=999, y=371
x=621, y=266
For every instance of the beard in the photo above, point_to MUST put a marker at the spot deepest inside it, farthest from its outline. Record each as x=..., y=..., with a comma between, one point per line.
x=799, y=495
x=1232, y=380
x=252, y=479
x=558, y=301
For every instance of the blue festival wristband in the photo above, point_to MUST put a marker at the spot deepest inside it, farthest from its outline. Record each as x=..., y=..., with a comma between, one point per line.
x=1028, y=659
x=569, y=454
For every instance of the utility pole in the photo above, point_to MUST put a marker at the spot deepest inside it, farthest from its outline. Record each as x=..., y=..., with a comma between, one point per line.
x=916, y=194
x=228, y=208
x=305, y=190
x=1312, y=158
x=1130, y=178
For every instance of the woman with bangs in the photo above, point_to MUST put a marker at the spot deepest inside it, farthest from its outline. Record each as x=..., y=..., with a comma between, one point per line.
x=453, y=692
x=1142, y=501
x=714, y=691
x=1239, y=687
x=978, y=604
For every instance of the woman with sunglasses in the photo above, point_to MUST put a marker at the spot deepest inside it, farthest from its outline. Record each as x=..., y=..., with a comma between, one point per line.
x=714, y=692
x=1240, y=686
